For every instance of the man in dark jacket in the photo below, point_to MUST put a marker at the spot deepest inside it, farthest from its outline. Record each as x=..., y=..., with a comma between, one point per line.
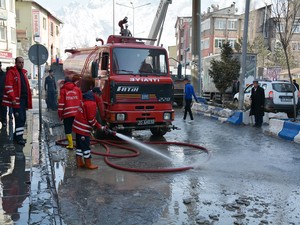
x=3, y=109
x=50, y=88
x=257, y=103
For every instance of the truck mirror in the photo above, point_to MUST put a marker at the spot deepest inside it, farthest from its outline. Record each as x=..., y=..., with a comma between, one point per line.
x=95, y=68
x=179, y=71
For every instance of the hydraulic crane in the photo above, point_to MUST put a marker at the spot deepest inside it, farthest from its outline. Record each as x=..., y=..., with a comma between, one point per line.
x=158, y=22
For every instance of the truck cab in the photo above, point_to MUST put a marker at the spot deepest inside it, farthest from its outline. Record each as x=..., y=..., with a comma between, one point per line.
x=135, y=81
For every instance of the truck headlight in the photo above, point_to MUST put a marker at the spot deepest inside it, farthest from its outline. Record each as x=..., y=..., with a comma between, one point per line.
x=120, y=117
x=167, y=116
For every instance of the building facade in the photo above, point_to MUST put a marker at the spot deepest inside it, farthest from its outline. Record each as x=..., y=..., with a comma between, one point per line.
x=35, y=24
x=8, y=41
x=183, y=33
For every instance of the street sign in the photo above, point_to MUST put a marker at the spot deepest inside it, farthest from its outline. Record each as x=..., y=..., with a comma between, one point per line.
x=38, y=54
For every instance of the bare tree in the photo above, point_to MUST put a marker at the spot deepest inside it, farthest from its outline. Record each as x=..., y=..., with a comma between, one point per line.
x=286, y=20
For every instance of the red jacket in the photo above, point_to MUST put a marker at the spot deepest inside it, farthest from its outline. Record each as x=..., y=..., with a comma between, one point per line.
x=85, y=118
x=12, y=89
x=69, y=100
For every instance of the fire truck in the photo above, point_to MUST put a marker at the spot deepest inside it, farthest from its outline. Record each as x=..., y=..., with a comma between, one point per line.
x=137, y=89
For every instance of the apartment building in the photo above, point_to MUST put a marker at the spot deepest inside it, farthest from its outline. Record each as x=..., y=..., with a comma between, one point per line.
x=183, y=33
x=35, y=24
x=8, y=41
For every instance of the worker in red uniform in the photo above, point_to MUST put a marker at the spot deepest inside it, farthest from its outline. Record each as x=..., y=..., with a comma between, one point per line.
x=17, y=95
x=84, y=122
x=69, y=100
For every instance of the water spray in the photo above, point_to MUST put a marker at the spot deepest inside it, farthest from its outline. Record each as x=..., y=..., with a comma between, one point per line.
x=119, y=144
x=141, y=145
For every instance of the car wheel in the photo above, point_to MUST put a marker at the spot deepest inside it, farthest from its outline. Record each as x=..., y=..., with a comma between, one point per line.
x=291, y=114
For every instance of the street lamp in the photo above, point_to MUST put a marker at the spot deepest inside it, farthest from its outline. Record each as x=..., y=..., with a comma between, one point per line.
x=133, y=8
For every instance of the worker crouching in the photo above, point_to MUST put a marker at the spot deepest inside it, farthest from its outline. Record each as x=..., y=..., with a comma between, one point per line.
x=84, y=122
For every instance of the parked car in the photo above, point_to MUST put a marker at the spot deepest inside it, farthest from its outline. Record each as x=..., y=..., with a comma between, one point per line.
x=34, y=87
x=278, y=94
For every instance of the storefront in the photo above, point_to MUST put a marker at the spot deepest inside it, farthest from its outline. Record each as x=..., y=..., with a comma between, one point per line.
x=7, y=59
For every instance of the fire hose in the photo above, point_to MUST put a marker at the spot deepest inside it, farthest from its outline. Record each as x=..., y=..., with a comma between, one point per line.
x=135, y=153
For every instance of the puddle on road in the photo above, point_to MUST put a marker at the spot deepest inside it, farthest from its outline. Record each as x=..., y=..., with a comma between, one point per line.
x=14, y=181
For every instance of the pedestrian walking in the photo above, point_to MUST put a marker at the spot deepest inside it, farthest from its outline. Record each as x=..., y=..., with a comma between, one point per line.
x=84, y=122
x=50, y=88
x=296, y=84
x=3, y=108
x=257, y=103
x=188, y=96
x=17, y=95
x=69, y=100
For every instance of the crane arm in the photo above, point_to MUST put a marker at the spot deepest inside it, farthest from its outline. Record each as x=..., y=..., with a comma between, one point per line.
x=158, y=20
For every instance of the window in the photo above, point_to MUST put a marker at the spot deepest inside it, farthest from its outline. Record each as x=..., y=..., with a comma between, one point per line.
x=17, y=15
x=44, y=23
x=280, y=27
x=2, y=33
x=13, y=35
x=51, y=29
x=296, y=28
x=219, y=42
x=220, y=24
x=205, y=25
x=205, y=44
x=2, y=4
x=104, y=61
x=283, y=87
x=57, y=31
x=11, y=6
x=130, y=61
x=232, y=42
x=232, y=24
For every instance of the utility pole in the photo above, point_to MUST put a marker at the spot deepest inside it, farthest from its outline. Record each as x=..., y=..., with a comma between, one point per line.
x=244, y=56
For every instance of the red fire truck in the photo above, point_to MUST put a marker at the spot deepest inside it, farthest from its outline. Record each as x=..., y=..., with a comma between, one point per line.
x=135, y=80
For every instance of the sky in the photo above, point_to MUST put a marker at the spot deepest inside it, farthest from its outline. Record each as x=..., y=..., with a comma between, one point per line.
x=55, y=5
x=85, y=19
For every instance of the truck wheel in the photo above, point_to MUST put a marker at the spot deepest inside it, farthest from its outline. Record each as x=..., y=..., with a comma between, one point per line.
x=159, y=131
x=236, y=103
x=179, y=102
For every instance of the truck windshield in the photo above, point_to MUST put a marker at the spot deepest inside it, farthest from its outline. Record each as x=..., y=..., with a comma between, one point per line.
x=140, y=61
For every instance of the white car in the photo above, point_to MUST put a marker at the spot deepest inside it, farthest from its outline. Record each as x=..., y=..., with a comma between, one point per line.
x=278, y=94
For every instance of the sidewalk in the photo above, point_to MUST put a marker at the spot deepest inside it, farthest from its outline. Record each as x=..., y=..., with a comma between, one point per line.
x=28, y=195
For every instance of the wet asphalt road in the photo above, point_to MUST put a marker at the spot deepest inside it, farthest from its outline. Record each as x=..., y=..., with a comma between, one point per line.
x=248, y=178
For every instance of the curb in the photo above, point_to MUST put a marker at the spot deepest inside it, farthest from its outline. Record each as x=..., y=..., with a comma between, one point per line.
x=277, y=127
x=289, y=131
x=285, y=129
x=218, y=113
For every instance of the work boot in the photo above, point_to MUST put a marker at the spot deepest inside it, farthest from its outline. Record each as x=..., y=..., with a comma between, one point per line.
x=79, y=162
x=89, y=165
x=70, y=141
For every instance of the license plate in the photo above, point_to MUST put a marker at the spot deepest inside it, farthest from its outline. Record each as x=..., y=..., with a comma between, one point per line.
x=145, y=122
x=145, y=96
x=286, y=99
